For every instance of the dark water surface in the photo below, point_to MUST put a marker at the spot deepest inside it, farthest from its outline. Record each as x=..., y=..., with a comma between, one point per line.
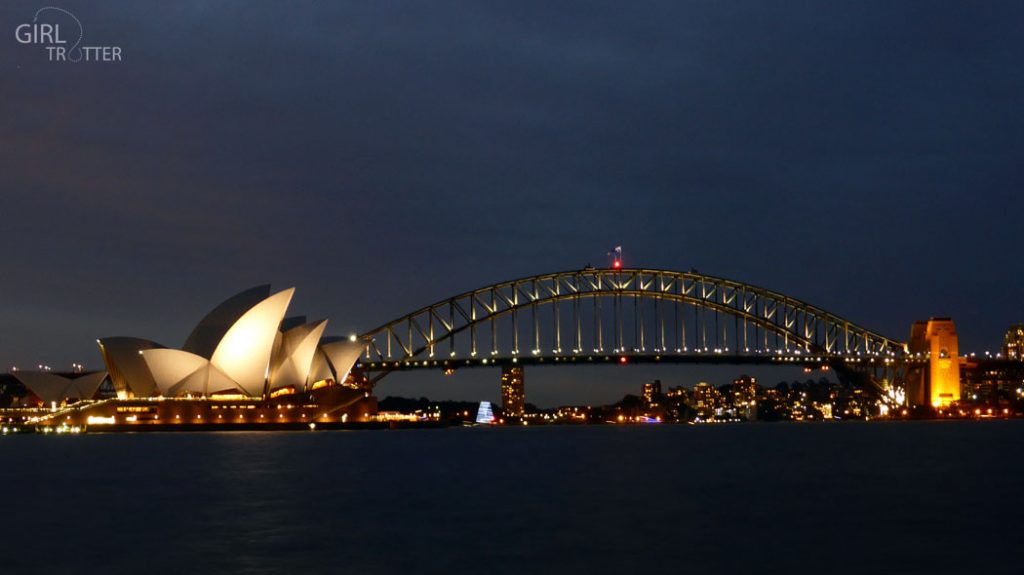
x=935, y=497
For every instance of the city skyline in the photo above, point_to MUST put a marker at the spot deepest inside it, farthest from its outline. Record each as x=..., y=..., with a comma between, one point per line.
x=527, y=287
x=837, y=154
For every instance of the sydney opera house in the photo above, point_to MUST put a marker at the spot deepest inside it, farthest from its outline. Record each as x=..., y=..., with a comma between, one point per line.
x=244, y=364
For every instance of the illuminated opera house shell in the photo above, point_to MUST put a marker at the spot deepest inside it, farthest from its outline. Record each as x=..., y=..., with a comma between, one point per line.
x=245, y=346
x=53, y=388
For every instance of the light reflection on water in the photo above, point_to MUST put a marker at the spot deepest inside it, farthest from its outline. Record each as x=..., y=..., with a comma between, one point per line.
x=935, y=497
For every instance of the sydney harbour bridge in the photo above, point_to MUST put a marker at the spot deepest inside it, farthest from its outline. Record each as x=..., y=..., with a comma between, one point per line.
x=621, y=315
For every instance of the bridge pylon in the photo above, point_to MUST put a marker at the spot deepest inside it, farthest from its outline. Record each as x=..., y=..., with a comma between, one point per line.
x=933, y=376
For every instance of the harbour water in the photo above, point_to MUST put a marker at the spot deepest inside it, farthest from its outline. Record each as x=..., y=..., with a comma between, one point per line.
x=928, y=497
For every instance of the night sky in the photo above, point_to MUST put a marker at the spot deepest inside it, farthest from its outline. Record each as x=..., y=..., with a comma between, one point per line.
x=863, y=156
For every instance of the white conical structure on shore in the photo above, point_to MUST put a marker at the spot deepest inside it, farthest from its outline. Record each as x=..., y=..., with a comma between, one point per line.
x=484, y=414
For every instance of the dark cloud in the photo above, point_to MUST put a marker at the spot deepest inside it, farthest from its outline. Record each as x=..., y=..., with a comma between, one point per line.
x=861, y=156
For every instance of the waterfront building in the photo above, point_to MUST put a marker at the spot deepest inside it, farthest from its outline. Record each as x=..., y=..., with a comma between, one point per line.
x=988, y=380
x=244, y=347
x=744, y=389
x=706, y=400
x=1013, y=342
x=651, y=391
x=241, y=364
x=744, y=396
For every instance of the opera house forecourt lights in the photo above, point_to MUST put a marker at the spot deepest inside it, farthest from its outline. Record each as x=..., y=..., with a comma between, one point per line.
x=245, y=365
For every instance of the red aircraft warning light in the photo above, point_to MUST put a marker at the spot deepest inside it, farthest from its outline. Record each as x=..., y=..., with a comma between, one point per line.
x=616, y=255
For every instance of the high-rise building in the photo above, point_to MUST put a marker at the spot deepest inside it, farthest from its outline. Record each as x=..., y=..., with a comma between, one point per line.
x=513, y=391
x=744, y=389
x=1013, y=343
x=651, y=391
x=706, y=399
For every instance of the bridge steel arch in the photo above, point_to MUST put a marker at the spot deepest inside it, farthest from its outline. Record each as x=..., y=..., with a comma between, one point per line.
x=621, y=312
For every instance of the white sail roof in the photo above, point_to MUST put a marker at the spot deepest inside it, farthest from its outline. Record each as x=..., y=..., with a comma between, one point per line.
x=179, y=373
x=294, y=357
x=343, y=355
x=128, y=371
x=51, y=388
x=46, y=386
x=321, y=368
x=85, y=386
x=209, y=332
x=176, y=371
x=244, y=352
